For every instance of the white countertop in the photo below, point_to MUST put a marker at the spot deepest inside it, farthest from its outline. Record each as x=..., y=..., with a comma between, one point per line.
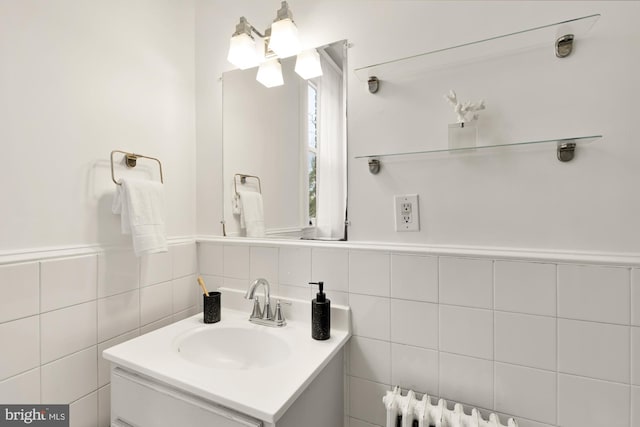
x=263, y=393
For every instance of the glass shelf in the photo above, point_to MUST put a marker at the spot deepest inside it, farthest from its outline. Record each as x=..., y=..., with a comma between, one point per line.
x=480, y=49
x=562, y=144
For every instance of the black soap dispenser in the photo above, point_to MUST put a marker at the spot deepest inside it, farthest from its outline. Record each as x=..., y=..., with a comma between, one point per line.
x=320, y=315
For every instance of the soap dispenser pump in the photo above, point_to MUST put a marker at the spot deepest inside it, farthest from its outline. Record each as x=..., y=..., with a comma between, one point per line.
x=320, y=314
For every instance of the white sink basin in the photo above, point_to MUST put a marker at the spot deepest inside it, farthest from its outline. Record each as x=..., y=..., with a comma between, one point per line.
x=232, y=348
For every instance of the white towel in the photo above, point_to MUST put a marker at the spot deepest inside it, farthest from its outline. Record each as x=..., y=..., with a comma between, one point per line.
x=251, y=213
x=141, y=206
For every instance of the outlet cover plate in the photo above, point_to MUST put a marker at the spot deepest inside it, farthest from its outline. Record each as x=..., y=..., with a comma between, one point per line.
x=407, y=215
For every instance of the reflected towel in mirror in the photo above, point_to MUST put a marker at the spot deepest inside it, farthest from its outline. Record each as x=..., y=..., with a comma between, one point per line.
x=251, y=213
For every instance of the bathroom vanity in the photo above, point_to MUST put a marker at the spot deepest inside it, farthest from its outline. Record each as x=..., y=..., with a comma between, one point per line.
x=231, y=373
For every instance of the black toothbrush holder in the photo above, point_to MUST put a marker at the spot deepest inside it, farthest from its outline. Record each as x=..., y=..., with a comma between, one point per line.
x=211, y=307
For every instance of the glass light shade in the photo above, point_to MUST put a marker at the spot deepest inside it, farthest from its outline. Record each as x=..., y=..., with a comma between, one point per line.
x=308, y=64
x=242, y=52
x=284, y=38
x=270, y=73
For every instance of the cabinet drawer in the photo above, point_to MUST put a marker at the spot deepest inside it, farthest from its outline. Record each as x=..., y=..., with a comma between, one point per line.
x=140, y=402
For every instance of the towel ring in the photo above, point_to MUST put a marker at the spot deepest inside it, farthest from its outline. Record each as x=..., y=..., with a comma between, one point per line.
x=243, y=179
x=131, y=160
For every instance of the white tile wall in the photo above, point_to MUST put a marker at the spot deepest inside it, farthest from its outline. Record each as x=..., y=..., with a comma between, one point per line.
x=155, y=268
x=635, y=406
x=414, y=323
x=466, y=380
x=332, y=267
x=414, y=277
x=68, y=281
x=21, y=388
x=236, y=261
x=104, y=365
x=186, y=292
x=298, y=292
x=525, y=287
x=263, y=263
x=526, y=392
x=507, y=354
x=118, y=271
x=58, y=339
x=369, y=273
x=365, y=398
x=20, y=290
x=526, y=340
x=104, y=406
x=466, y=281
x=467, y=331
x=20, y=346
x=156, y=325
x=414, y=368
x=295, y=266
x=370, y=359
x=370, y=316
x=593, y=293
x=635, y=356
x=184, y=259
x=59, y=315
x=497, y=337
x=84, y=412
x=595, y=350
x=635, y=296
x=210, y=258
x=359, y=423
x=585, y=402
x=118, y=314
x=62, y=382
x=156, y=302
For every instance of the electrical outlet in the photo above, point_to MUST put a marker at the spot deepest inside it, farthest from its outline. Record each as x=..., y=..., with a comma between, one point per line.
x=406, y=210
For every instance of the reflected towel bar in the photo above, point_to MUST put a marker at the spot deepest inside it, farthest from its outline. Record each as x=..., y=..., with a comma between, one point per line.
x=243, y=179
x=131, y=160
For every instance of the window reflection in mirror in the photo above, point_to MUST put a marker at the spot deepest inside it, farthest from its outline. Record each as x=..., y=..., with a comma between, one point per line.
x=293, y=137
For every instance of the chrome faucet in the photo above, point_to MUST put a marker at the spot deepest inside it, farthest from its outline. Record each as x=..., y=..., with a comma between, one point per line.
x=264, y=316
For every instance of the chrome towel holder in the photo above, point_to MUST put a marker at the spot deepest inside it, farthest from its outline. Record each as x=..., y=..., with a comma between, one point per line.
x=131, y=160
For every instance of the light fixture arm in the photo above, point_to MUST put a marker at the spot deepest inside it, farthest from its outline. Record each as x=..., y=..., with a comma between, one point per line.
x=244, y=27
x=284, y=12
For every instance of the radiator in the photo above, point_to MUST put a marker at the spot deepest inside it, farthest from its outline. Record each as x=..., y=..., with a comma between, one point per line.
x=408, y=411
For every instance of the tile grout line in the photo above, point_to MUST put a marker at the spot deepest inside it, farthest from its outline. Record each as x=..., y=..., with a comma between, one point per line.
x=40, y=327
x=630, y=348
x=493, y=330
x=438, y=340
x=97, y=378
x=557, y=293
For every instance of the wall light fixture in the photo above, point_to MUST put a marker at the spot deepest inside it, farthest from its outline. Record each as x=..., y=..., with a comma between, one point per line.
x=280, y=40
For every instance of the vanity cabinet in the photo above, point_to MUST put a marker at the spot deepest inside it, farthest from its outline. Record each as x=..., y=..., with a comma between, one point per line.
x=140, y=401
x=232, y=373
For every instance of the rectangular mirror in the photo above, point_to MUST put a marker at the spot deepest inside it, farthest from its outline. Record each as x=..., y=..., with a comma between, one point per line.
x=288, y=144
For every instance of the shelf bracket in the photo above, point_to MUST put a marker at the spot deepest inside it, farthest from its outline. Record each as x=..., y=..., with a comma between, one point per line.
x=566, y=151
x=374, y=84
x=564, y=45
x=374, y=166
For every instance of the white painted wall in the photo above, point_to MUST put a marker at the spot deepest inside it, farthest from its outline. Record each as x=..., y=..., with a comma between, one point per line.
x=77, y=80
x=504, y=198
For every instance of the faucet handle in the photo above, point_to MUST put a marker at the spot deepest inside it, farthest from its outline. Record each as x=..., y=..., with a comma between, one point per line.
x=257, y=311
x=279, y=316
